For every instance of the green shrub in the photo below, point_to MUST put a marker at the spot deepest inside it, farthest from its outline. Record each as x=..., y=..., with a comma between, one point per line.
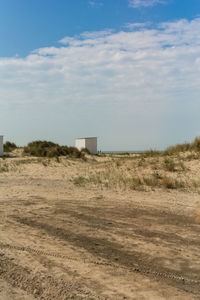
x=85, y=150
x=50, y=149
x=169, y=165
x=151, y=153
x=136, y=183
x=178, y=148
x=118, y=163
x=4, y=168
x=196, y=144
x=80, y=180
x=151, y=181
x=192, y=156
x=8, y=146
x=182, y=166
x=74, y=152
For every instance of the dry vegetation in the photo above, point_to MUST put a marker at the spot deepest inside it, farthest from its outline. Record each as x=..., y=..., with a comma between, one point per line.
x=77, y=226
x=175, y=168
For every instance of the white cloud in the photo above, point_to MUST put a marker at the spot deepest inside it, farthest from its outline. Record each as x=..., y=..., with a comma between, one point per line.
x=133, y=26
x=136, y=66
x=87, y=36
x=141, y=72
x=144, y=3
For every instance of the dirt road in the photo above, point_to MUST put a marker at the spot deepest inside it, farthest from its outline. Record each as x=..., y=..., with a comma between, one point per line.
x=62, y=241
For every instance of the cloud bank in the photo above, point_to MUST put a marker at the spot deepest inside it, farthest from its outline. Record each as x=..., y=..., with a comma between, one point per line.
x=137, y=65
x=140, y=70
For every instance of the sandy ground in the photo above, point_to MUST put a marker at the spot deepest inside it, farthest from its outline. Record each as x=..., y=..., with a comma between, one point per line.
x=60, y=240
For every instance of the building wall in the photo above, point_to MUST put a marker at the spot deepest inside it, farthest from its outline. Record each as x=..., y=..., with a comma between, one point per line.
x=1, y=145
x=91, y=145
x=80, y=144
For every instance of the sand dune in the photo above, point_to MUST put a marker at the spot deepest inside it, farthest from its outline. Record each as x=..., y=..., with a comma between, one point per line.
x=115, y=227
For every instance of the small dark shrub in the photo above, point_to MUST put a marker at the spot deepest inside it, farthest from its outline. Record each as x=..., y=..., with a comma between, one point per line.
x=80, y=180
x=168, y=183
x=157, y=175
x=152, y=153
x=85, y=150
x=178, y=148
x=169, y=165
x=151, y=181
x=74, y=152
x=196, y=144
x=50, y=149
x=136, y=183
x=141, y=162
x=118, y=163
x=8, y=146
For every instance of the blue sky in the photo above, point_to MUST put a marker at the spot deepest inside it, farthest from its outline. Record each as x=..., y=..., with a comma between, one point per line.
x=127, y=71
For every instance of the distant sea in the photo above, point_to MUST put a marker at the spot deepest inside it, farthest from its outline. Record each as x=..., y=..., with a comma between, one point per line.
x=123, y=152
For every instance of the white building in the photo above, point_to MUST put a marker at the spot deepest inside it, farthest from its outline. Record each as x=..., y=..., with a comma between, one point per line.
x=89, y=142
x=1, y=145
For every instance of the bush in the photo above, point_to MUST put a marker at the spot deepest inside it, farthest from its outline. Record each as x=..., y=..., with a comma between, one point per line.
x=177, y=148
x=80, y=180
x=136, y=183
x=50, y=149
x=85, y=150
x=74, y=152
x=170, y=183
x=8, y=146
x=196, y=144
x=169, y=165
x=151, y=153
x=151, y=181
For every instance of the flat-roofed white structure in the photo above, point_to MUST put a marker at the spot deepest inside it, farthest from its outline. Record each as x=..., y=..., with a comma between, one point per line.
x=1, y=145
x=88, y=142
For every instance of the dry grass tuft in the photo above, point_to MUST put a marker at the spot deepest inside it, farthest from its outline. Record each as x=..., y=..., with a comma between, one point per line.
x=169, y=165
x=171, y=183
x=194, y=146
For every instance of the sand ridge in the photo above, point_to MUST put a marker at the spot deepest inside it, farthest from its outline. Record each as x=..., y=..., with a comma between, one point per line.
x=66, y=239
